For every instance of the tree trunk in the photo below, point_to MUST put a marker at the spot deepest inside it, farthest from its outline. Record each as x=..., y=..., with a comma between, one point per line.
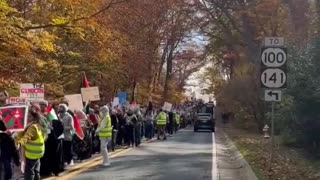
x=168, y=73
x=133, y=90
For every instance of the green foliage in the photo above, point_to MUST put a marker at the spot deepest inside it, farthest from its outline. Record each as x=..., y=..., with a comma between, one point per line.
x=301, y=115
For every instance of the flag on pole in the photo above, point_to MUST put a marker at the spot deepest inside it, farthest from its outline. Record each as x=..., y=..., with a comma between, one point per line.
x=77, y=127
x=51, y=114
x=85, y=82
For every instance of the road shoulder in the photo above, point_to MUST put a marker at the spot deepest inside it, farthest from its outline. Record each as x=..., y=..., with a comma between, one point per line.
x=231, y=164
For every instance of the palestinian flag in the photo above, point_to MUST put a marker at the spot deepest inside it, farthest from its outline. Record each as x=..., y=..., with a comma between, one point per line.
x=77, y=127
x=51, y=114
x=85, y=82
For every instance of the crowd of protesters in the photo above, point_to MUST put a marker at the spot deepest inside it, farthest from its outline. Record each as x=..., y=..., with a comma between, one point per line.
x=47, y=146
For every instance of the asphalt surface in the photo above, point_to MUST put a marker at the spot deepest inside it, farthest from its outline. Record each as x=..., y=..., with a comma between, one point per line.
x=185, y=156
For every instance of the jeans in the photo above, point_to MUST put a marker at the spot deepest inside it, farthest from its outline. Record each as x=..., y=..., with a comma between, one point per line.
x=137, y=134
x=148, y=131
x=104, y=149
x=32, y=169
x=161, y=129
x=114, y=139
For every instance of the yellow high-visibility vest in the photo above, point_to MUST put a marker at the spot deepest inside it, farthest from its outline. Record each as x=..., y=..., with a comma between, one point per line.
x=177, y=118
x=162, y=118
x=35, y=149
x=107, y=130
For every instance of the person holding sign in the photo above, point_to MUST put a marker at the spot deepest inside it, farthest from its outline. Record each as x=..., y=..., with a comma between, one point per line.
x=32, y=140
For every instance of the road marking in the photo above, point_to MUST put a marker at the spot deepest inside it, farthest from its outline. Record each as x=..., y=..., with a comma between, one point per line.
x=214, y=172
x=89, y=164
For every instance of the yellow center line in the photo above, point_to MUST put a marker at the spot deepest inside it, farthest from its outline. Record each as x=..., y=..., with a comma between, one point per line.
x=89, y=164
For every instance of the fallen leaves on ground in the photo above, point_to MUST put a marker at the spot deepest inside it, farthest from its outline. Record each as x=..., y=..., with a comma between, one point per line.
x=287, y=164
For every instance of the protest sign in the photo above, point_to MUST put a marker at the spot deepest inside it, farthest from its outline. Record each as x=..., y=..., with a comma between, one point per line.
x=75, y=101
x=90, y=94
x=167, y=106
x=17, y=100
x=14, y=117
x=115, y=102
x=122, y=95
x=32, y=92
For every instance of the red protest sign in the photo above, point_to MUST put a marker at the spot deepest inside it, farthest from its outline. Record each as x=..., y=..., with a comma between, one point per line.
x=14, y=117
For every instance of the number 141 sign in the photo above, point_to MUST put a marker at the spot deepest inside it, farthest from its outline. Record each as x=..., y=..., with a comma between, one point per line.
x=273, y=67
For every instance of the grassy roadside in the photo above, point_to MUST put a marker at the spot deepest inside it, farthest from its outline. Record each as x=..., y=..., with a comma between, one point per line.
x=288, y=164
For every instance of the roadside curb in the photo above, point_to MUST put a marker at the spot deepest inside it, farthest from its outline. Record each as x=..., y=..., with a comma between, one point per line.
x=247, y=172
x=92, y=160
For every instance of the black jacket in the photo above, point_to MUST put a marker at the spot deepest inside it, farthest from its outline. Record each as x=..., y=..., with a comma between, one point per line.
x=8, y=149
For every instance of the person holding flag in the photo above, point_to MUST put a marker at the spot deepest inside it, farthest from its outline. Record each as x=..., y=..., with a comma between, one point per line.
x=52, y=161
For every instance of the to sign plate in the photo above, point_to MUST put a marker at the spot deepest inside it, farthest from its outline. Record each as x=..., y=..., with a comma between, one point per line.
x=274, y=41
x=273, y=78
x=272, y=95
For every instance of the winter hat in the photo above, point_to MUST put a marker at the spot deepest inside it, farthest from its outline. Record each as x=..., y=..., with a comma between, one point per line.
x=44, y=102
x=64, y=106
x=104, y=110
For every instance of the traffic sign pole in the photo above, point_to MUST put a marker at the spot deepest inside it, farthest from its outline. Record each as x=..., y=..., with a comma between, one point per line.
x=273, y=76
x=272, y=133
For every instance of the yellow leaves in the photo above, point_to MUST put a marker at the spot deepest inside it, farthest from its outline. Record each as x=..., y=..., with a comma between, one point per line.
x=4, y=8
x=60, y=20
x=43, y=40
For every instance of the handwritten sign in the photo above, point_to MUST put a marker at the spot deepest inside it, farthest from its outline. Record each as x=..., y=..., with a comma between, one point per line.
x=75, y=101
x=167, y=106
x=14, y=117
x=32, y=92
x=17, y=100
x=90, y=94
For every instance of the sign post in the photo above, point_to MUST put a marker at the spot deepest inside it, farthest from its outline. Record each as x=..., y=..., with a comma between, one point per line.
x=273, y=75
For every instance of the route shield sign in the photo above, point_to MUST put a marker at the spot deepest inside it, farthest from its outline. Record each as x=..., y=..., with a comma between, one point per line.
x=273, y=67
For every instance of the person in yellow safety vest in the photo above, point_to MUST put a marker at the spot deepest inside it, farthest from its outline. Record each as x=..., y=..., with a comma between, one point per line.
x=161, y=124
x=32, y=140
x=177, y=123
x=104, y=131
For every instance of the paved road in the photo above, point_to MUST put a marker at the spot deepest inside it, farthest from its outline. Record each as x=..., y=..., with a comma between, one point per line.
x=186, y=156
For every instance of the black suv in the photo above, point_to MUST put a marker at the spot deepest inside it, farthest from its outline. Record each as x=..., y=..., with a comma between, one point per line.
x=204, y=121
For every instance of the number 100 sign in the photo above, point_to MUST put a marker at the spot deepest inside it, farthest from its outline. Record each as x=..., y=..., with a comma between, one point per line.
x=274, y=57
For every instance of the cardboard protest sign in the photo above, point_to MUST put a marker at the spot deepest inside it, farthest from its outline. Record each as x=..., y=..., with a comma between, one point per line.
x=14, y=117
x=167, y=106
x=75, y=101
x=115, y=102
x=90, y=94
x=32, y=92
x=17, y=100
